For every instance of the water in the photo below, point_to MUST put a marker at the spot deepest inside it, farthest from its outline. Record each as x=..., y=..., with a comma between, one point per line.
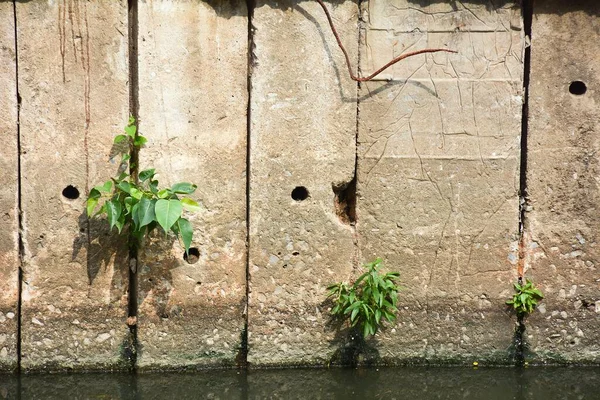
x=384, y=383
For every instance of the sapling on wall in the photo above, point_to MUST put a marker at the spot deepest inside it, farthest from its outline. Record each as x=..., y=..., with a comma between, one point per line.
x=139, y=204
x=525, y=299
x=372, y=298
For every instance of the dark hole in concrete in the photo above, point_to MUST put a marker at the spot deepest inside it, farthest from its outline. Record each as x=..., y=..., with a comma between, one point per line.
x=193, y=257
x=295, y=253
x=577, y=88
x=300, y=193
x=345, y=201
x=71, y=192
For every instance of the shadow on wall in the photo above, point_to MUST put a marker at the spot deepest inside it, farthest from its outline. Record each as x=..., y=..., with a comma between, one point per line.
x=561, y=7
x=592, y=7
x=154, y=289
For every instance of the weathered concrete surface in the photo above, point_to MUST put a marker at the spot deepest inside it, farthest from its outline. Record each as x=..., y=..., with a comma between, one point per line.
x=73, y=85
x=563, y=223
x=303, y=132
x=9, y=220
x=193, y=102
x=438, y=175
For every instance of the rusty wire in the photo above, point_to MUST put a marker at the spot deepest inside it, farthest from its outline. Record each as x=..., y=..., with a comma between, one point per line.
x=386, y=66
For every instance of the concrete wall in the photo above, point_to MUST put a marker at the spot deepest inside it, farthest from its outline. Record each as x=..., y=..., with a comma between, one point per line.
x=9, y=179
x=303, y=175
x=438, y=173
x=562, y=181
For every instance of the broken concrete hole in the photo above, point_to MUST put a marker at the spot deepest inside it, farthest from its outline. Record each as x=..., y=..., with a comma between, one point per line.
x=345, y=201
x=300, y=193
x=193, y=256
x=577, y=88
x=71, y=192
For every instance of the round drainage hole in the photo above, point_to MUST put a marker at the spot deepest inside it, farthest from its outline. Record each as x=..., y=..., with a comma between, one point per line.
x=193, y=257
x=300, y=193
x=71, y=192
x=577, y=88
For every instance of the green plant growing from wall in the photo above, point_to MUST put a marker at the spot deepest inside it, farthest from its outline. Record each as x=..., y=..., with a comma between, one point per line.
x=525, y=299
x=372, y=298
x=135, y=201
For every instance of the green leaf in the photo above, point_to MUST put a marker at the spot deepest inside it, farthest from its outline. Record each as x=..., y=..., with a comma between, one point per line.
x=164, y=193
x=119, y=139
x=354, y=313
x=120, y=223
x=92, y=202
x=353, y=306
x=136, y=193
x=366, y=329
x=146, y=174
x=153, y=186
x=183, y=188
x=167, y=213
x=131, y=129
x=113, y=211
x=360, y=278
x=136, y=219
x=129, y=202
x=126, y=157
x=125, y=187
x=105, y=188
x=139, y=141
x=186, y=231
x=190, y=204
x=146, y=211
x=377, y=315
x=538, y=293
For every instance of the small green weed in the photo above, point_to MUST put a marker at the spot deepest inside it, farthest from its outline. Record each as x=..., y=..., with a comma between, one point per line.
x=139, y=203
x=526, y=298
x=372, y=297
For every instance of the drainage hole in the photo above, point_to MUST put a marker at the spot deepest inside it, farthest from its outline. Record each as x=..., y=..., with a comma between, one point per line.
x=193, y=257
x=300, y=193
x=71, y=192
x=577, y=88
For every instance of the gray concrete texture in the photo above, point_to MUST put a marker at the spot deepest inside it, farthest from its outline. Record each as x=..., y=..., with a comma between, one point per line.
x=438, y=174
x=193, y=100
x=73, y=85
x=432, y=145
x=9, y=218
x=302, y=134
x=562, y=229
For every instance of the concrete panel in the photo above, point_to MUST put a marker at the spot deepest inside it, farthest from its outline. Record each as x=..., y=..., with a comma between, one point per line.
x=73, y=84
x=438, y=175
x=193, y=103
x=9, y=180
x=562, y=222
x=303, y=132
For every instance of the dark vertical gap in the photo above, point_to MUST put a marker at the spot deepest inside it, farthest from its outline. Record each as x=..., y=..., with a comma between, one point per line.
x=134, y=106
x=242, y=360
x=519, y=336
x=354, y=183
x=19, y=194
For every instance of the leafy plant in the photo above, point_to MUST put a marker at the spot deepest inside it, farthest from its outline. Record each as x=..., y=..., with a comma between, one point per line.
x=139, y=204
x=372, y=297
x=526, y=298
